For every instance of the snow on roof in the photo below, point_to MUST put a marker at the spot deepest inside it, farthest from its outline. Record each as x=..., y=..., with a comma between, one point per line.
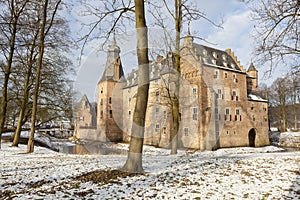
x=256, y=98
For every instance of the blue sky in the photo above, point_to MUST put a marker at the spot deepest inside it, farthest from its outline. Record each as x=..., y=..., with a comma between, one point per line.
x=237, y=34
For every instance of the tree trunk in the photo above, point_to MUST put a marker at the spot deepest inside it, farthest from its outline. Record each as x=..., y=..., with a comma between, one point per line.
x=7, y=72
x=295, y=104
x=134, y=160
x=26, y=90
x=283, y=113
x=30, y=145
x=22, y=109
x=175, y=109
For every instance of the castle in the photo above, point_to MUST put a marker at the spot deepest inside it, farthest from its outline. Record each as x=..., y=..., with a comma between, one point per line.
x=218, y=102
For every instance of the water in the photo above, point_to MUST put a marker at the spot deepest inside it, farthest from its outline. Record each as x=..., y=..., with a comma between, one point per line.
x=90, y=148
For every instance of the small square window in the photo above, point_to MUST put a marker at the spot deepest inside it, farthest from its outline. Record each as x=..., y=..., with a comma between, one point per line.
x=234, y=93
x=227, y=111
x=157, y=127
x=194, y=91
x=156, y=109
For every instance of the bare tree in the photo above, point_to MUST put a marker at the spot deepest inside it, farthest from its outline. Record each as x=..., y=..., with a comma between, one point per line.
x=279, y=97
x=45, y=27
x=29, y=62
x=278, y=33
x=295, y=83
x=10, y=16
x=134, y=159
x=184, y=11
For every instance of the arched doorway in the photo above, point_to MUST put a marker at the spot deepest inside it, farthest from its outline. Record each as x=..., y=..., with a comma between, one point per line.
x=251, y=137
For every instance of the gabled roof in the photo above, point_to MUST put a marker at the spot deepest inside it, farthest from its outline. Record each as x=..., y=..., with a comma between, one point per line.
x=215, y=57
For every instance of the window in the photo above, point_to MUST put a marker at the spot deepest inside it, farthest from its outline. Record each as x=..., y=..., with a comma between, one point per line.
x=110, y=114
x=234, y=78
x=194, y=91
x=214, y=55
x=129, y=112
x=157, y=127
x=165, y=114
x=164, y=130
x=186, y=131
x=109, y=100
x=216, y=75
x=234, y=93
x=234, y=132
x=157, y=109
x=101, y=90
x=195, y=113
x=227, y=132
x=237, y=113
x=224, y=57
x=101, y=114
x=81, y=118
x=227, y=112
x=225, y=75
x=101, y=102
x=220, y=96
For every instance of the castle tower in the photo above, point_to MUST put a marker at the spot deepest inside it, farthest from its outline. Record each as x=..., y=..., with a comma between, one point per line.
x=109, y=94
x=252, y=78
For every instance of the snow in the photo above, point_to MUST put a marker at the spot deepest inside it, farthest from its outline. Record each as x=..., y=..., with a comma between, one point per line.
x=256, y=98
x=235, y=173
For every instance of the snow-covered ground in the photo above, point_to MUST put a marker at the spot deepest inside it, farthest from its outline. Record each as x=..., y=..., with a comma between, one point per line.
x=237, y=173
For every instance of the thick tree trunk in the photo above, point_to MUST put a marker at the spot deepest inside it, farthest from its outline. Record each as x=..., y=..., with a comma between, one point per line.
x=175, y=109
x=134, y=160
x=30, y=145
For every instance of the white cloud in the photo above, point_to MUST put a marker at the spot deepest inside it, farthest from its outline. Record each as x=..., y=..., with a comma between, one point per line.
x=236, y=35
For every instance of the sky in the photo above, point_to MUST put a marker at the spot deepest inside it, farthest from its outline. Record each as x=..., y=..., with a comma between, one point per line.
x=236, y=33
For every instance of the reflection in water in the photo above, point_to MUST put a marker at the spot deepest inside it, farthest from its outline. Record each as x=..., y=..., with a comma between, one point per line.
x=91, y=148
